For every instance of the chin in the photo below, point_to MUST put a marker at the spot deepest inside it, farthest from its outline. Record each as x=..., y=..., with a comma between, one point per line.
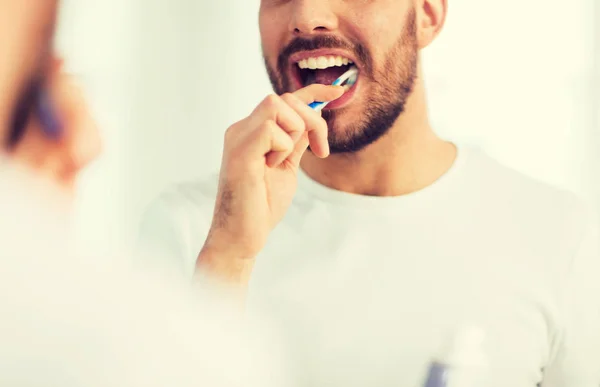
x=342, y=120
x=341, y=128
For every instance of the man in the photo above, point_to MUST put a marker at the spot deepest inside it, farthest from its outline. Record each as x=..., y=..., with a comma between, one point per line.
x=76, y=319
x=368, y=237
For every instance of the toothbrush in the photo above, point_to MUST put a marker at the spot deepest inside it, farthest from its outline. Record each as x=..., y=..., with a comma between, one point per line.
x=47, y=115
x=35, y=100
x=347, y=80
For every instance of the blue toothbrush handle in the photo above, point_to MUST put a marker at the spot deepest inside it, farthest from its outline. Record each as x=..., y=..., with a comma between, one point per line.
x=47, y=115
x=320, y=105
x=349, y=77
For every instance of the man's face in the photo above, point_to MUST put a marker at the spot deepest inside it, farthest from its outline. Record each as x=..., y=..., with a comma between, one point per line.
x=315, y=41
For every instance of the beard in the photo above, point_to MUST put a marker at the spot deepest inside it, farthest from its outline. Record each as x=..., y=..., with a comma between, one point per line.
x=389, y=87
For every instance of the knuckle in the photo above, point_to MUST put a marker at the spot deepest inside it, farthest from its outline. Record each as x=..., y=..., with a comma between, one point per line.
x=301, y=125
x=288, y=97
x=230, y=133
x=267, y=128
x=271, y=101
x=234, y=135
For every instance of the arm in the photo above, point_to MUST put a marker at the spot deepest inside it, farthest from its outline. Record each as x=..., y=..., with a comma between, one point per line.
x=257, y=183
x=172, y=239
x=230, y=272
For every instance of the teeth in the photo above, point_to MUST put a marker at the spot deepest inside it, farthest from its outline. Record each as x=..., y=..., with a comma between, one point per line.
x=323, y=62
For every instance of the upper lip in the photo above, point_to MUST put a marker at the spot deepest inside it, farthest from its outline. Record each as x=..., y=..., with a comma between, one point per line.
x=297, y=57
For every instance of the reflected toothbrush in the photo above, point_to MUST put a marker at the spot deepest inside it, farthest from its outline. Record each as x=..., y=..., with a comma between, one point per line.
x=35, y=100
x=347, y=80
x=48, y=115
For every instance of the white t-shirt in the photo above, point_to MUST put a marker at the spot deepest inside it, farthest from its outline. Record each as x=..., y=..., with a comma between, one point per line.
x=367, y=289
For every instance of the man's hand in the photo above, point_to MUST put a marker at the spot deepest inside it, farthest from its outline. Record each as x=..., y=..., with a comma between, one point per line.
x=259, y=175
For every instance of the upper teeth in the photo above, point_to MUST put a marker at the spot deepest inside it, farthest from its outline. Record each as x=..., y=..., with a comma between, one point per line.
x=323, y=62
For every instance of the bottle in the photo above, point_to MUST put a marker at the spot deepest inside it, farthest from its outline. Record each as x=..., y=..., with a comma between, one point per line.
x=462, y=363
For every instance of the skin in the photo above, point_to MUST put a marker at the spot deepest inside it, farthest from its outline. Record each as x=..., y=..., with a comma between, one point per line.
x=26, y=33
x=263, y=152
x=384, y=86
x=396, y=131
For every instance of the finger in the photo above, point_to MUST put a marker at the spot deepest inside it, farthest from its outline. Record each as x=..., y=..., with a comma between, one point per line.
x=83, y=143
x=276, y=109
x=316, y=126
x=299, y=150
x=277, y=143
x=319, y=93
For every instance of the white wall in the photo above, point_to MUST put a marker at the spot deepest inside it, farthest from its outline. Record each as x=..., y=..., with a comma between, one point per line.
x=97, y=42
x=595, y=129
x=202, y=71
x=513, y=77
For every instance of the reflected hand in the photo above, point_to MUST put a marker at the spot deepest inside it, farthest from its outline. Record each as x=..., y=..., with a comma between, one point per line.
x=26, y=32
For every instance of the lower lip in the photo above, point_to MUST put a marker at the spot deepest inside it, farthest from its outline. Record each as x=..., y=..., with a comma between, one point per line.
x=344, y=99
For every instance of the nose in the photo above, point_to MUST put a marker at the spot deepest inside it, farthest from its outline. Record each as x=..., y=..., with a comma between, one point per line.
x=311, y=17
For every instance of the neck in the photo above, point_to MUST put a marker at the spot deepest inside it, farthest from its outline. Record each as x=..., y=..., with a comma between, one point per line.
x=408, y=158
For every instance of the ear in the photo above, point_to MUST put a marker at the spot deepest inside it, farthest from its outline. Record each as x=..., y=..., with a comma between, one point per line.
x=431, y=16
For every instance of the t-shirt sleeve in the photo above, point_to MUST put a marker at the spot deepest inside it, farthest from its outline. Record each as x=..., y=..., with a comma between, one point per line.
x=577, y=360
x=171, y=234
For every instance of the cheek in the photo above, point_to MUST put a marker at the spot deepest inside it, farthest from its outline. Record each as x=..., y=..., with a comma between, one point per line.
x=385, y=38
x=269, y=40
x=378, y=25
x=377, y=34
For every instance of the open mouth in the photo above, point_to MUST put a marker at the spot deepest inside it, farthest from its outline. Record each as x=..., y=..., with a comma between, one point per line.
x=321, y=69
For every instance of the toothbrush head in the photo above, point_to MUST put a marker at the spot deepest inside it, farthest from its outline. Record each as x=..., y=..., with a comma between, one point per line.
x=351, y=81
x=348, y=78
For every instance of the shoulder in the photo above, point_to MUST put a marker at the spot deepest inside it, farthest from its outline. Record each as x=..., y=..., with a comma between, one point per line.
x=531, y=208
x=510, y=188
x=505, y=180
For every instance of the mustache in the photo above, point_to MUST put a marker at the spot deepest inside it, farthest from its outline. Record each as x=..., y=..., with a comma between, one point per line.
x=323, y=41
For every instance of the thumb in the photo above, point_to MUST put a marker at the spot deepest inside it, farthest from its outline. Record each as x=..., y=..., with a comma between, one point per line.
x=299, y=150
